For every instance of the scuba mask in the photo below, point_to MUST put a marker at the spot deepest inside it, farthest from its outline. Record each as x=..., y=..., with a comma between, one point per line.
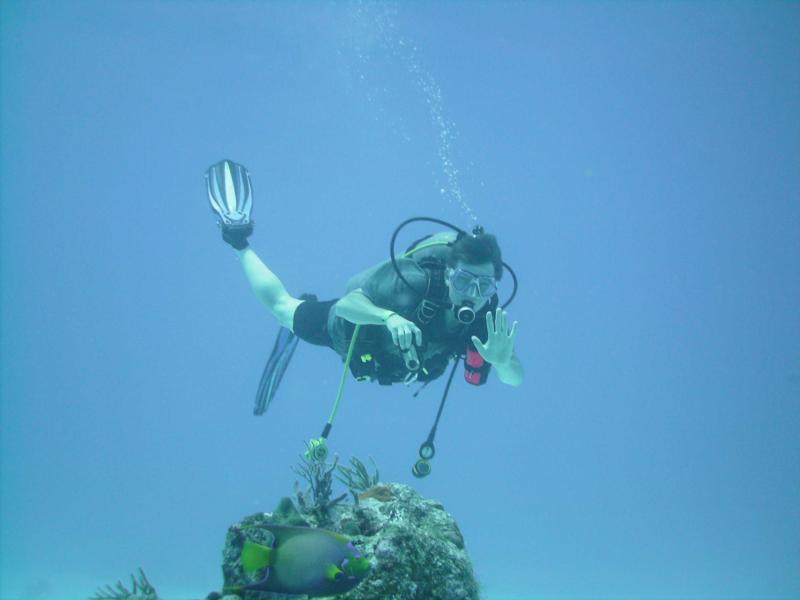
x=477, y=286
x=482, y=286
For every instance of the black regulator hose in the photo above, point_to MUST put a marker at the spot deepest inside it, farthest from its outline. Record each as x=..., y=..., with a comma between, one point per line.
x=427, y=450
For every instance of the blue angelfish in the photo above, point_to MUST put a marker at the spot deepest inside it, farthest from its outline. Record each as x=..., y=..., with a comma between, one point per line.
x=302, y=560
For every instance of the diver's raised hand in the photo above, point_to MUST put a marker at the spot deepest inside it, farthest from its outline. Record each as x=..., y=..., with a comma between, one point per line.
x=499, y=346
x=404, y=332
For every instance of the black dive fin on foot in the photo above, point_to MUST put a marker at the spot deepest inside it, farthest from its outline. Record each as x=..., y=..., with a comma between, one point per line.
x=282, y=351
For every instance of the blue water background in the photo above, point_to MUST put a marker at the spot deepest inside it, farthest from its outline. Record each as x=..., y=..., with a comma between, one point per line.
x=640, y=165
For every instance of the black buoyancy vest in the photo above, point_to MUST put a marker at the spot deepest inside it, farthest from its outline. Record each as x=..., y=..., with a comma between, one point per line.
x=373, y=360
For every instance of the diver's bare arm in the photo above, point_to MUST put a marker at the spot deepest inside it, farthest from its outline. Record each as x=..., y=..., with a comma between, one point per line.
x=357, y=308
x=360, y=310
x=510, y=373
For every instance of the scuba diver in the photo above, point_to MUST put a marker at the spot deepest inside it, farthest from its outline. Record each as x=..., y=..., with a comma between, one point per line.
x=402, y=320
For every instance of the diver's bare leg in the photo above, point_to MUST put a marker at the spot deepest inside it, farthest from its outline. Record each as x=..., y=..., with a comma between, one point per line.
x=268, y=288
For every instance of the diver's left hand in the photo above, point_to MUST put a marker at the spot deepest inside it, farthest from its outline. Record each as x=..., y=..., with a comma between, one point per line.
x=499, y=346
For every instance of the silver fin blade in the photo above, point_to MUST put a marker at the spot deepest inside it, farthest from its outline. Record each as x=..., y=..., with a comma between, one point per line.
x=230, y=192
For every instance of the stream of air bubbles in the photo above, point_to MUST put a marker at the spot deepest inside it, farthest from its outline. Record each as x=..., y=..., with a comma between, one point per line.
x=375, y=27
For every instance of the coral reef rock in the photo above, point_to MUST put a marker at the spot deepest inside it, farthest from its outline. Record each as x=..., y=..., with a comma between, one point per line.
x=415, y=548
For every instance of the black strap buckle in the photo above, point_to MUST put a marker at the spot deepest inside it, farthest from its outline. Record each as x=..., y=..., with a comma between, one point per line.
x=426, y=311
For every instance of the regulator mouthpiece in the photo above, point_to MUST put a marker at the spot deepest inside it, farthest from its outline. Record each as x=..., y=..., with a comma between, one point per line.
x=465, y=313
x=316, y=450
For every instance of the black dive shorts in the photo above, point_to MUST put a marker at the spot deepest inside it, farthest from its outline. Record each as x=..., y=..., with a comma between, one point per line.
x=310, y=322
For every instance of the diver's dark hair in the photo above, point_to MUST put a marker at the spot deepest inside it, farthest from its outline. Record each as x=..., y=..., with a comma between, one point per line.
x=476, y=249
